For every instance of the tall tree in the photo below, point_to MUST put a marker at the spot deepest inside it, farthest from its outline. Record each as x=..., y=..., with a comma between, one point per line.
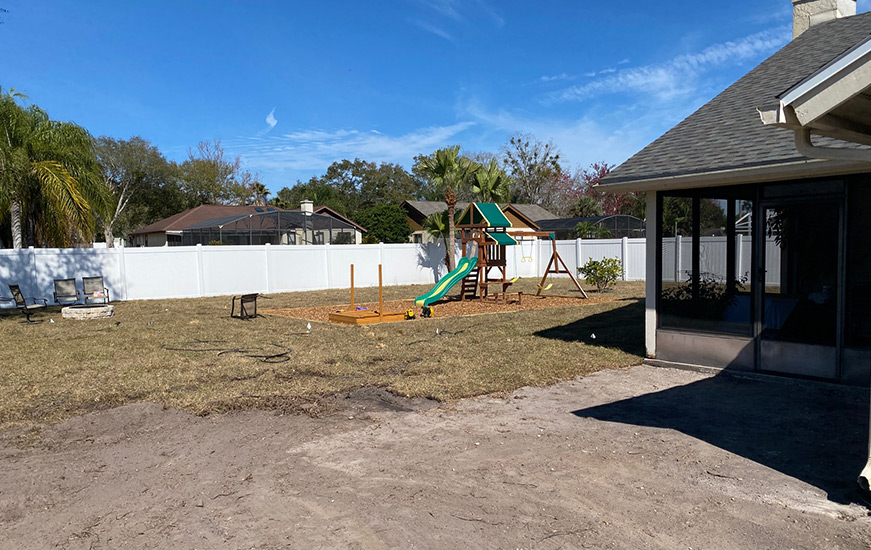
x=314, y=190
x=129, y=169
x=386, y=223
x=534, y=165
x=632, y=203
x=586, y=207
x=209, y=177
x=448, y=172
x=49, y=176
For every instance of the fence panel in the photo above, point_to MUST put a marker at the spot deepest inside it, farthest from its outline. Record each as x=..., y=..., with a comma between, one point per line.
x=233, y=270
x=153, y=273
x=299, y=267
x=192, y=271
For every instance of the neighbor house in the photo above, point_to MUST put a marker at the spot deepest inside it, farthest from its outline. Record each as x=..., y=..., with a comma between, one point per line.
x=781, y=162
x=168, y=231
x=212, y=224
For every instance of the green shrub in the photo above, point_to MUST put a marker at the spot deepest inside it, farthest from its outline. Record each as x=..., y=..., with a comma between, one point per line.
x=602, y=273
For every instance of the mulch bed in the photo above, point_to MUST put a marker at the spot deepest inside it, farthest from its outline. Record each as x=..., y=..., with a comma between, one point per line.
x=448, y=308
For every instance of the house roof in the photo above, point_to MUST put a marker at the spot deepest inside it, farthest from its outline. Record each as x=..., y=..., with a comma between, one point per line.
x=725, y=141
x=420, y=210
x=184, y=220
x=322, y=209
x=276, y=219
x=532, y=211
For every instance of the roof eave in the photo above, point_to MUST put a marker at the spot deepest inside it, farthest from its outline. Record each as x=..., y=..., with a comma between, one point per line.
x=804, y=168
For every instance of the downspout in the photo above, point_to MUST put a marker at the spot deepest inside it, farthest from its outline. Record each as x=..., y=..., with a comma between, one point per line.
x=808, y=149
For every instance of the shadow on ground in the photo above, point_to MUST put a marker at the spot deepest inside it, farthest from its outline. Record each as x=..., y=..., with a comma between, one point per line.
x=621, y=328
x=811, y=431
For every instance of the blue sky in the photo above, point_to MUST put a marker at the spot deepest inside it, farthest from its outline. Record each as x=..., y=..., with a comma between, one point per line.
x=294, y=86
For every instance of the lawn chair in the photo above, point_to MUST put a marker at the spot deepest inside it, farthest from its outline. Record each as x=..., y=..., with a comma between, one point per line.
x=21, y=303
x=244, y=300
x=65, y=292
x=94, y=289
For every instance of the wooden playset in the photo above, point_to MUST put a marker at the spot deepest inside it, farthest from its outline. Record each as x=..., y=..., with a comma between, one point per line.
x=354, y=316
x=486, y=226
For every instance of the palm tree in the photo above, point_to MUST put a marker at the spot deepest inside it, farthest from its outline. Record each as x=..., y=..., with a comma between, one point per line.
x=448, y=172
x=438, y=226
x=49, y=176
x=587, y=230
x=491, y=183
x=260, y=193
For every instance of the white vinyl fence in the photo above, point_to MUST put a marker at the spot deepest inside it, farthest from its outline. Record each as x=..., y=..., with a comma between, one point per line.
x=712, y=259
x=194, y=271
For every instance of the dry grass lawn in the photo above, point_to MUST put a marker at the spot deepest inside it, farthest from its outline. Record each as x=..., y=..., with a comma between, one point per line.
x=191, y=355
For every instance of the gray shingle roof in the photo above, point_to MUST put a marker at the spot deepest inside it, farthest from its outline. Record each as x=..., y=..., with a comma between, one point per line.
x=533, y=211
x=726, y=133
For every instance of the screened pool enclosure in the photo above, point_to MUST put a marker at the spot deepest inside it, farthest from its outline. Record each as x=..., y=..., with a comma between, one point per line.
x=275, y=227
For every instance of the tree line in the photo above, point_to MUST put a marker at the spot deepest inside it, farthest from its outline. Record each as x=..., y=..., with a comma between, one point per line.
x=60, y=187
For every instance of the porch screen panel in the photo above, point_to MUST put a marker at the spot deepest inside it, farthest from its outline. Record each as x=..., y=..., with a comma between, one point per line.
x=706, y=257
x=858, y=266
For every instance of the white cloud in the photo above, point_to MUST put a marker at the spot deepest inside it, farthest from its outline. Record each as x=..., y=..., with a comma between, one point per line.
x=438, y=31
x=582, y=140
x=551, y=78
x=677, y=77
x=270, y=119
x=315, y=150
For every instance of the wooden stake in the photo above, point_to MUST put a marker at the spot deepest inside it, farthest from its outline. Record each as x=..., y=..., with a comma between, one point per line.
x=380, y=295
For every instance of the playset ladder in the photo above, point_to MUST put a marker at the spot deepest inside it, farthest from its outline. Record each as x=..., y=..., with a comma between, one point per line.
x=470, y=284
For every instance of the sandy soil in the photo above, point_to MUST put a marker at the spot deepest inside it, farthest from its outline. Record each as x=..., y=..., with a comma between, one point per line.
x=638, y=458
x=452, y=307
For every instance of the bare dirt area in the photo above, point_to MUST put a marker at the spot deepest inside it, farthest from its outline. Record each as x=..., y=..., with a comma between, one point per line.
x=452, y=307
x=643, y=457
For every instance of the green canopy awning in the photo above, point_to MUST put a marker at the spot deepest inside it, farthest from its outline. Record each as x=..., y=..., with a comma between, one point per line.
x=501, y=238
x=484, y=213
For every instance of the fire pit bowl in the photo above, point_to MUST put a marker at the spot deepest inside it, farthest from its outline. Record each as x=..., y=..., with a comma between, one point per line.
x=84, y=312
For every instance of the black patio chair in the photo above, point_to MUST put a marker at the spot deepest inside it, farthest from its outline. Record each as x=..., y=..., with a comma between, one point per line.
x=245, y=302
x=65, y=292
x=21, y=303
x=93, y=289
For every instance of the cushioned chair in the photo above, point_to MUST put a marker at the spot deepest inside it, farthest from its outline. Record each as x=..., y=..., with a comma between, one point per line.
x=65, y=292
x=94, y=290
x=21, y=302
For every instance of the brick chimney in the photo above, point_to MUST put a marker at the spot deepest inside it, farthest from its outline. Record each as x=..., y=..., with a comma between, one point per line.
x=807, y=13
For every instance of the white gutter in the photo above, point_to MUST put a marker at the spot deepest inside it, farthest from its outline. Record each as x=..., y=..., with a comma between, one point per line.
x=805, y=147
x=796, y=169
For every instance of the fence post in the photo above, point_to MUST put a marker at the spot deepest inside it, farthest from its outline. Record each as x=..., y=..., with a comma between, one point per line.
x=201, y=276
x=35, y=290
x=327, y=265
x=677, y=258
x=381, y=253
x=624, y=252
x=266, y=249
x=579, y=262
x=122, y=269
